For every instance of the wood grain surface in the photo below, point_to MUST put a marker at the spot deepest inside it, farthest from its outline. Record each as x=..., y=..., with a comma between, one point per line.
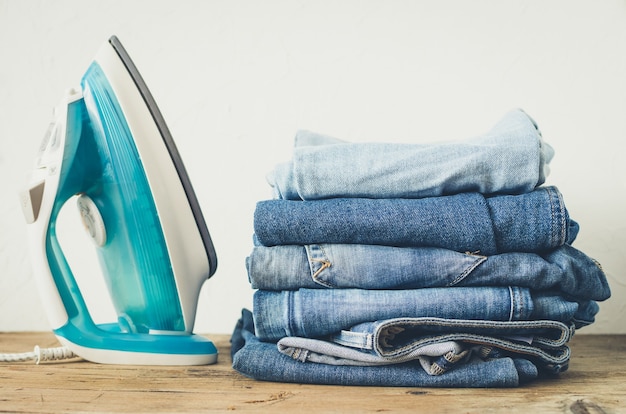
x=595, y=383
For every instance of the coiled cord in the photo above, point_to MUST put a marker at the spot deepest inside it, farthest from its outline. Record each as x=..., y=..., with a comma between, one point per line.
x=40, y=355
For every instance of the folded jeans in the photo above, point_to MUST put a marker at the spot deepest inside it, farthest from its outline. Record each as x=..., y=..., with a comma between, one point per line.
x=511, y=158
x=469, y=222
x=263, y=361
x=436, y=354
x=317, y=312
x=342, y=266
x=400, y=340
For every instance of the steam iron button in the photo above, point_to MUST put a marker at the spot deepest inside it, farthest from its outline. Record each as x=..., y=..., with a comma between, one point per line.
x=92, y=220
x=50, y=143
x=47, y=136
x=31, y=202
x=55, y=138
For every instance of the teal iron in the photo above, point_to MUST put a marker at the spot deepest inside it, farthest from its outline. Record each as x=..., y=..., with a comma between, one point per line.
x=110, y=149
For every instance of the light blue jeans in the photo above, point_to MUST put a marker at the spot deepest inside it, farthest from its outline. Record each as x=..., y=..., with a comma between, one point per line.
x=467, y=222
x=263, y=361
x=511, y=158
x=438, y=344
x=317, y=312
x=335, y=266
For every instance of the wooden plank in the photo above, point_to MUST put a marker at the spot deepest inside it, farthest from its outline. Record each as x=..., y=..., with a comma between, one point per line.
x=595, y=383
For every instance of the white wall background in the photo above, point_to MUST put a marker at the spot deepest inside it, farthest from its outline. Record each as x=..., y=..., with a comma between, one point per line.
x=236, y=78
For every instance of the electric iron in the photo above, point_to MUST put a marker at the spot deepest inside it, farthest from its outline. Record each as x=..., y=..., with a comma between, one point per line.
x=110, y=149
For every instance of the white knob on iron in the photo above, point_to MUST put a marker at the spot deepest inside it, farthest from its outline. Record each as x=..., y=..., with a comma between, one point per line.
x=92, y=220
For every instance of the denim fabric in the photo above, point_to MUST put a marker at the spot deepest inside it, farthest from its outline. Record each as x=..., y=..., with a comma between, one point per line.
x=531, y=222
x=326, y=352
x=395, y=337
x=317, y=312
x=263, y=361
x=436, y=358
x=511, y=158
x=401, y=339
x=437, y=354
x=290, y=267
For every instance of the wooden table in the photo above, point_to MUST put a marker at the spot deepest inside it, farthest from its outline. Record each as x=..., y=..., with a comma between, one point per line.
x=595, y=383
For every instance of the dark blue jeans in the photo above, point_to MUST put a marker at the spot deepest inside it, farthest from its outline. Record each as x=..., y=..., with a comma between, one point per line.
x=466, y=222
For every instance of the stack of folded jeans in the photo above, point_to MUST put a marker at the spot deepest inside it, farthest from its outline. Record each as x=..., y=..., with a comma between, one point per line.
x=447, y=264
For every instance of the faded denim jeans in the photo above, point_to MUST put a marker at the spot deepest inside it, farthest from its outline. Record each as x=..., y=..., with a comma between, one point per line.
x=317, y=312
x=467, y=222
x=438, y=344
x=511, y=158
x=263, y=361
x=336, y=266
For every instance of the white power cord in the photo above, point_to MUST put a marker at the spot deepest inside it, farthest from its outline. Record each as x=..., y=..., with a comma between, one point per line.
x=40, y=355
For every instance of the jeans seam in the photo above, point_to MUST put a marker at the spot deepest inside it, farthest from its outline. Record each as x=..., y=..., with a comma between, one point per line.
x=469, y=269
x=511, y=311
x=290, y=314
x=560, y=353
x=365, y=340
x=557, y=209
